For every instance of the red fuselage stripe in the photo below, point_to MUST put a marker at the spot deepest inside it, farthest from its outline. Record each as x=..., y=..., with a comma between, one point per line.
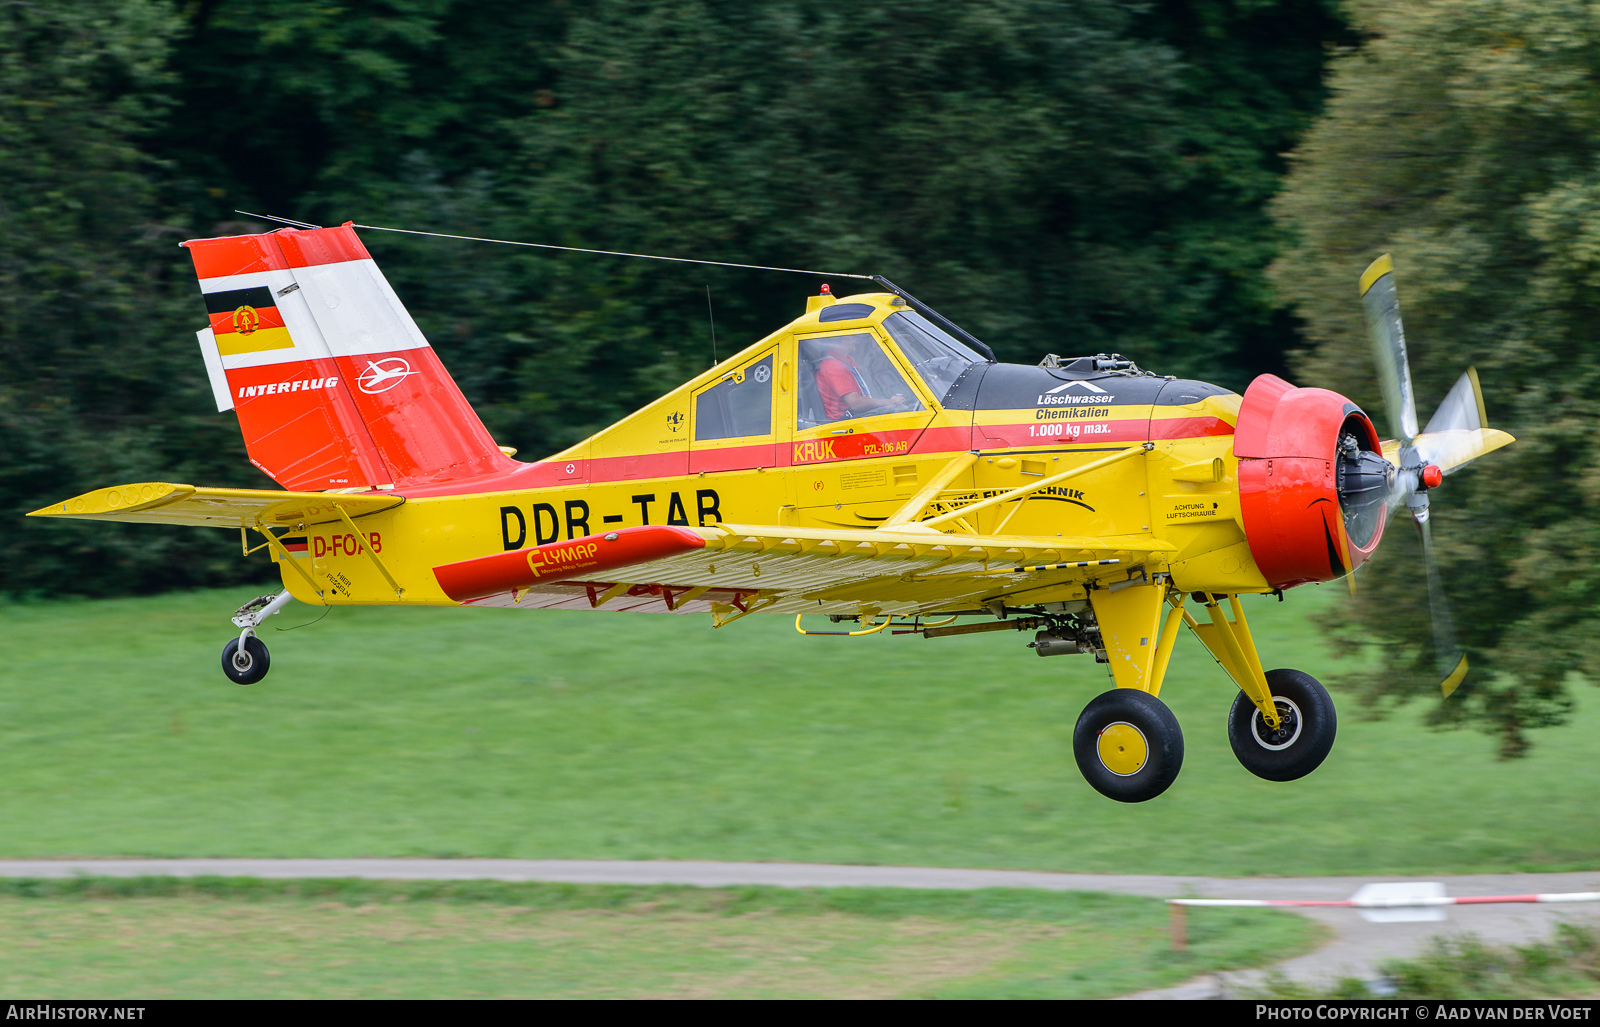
x=650, y=466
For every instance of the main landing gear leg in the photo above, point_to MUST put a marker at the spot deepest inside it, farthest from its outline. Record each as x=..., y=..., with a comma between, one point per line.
x=1127, y=742
x=245, y=659
x=1282, y=723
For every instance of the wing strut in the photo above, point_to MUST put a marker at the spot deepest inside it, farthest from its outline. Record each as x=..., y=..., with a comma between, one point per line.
x=284, y=556
x=929, y=492
x=1034, y=486
x=363, y=544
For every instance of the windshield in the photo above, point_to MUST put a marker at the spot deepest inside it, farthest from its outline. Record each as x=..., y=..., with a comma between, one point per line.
x=938, y=357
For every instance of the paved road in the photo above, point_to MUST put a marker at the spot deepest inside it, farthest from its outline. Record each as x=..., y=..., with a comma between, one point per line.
x=1356, y=949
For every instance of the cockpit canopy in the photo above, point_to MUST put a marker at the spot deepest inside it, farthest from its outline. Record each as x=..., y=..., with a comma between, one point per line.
x=849, y=375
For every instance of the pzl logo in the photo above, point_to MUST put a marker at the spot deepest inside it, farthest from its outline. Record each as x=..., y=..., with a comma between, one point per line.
x=675, y=420
x=383, y=375
x=246, y=320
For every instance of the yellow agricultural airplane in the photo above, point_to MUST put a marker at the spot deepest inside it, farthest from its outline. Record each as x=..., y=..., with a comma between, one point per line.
x=869, y=462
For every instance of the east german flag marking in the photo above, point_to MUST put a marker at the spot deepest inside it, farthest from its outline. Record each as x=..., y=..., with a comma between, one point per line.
x=246, y=321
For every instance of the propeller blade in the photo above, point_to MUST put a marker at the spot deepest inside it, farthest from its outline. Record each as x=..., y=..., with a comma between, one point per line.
x=1449, y=658
x=1455, y=449
x=1458, y=431
x=1462, y=407
x=1456, y=435
x=1382, y=307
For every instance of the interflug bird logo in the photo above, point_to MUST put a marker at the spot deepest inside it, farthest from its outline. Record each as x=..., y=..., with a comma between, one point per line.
x=383, y=375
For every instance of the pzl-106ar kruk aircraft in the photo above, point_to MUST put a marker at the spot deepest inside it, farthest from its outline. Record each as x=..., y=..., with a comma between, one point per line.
x=869, y=462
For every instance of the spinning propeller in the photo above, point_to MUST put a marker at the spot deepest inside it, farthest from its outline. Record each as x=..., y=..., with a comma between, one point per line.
x=1455, y=436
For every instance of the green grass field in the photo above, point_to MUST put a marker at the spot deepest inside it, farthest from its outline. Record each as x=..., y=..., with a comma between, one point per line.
x=332, y=939
x=509, y=733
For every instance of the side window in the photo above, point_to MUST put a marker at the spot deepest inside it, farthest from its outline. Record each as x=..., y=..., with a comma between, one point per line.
x=739, y=405
x=845, y=376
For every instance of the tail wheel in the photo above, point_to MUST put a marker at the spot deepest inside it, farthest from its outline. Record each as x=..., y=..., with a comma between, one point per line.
x=1303, y=737
x=246, y=664
x=1128, y=745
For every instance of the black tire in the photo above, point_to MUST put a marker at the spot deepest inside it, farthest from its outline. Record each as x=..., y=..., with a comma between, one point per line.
x=1305, y=734
x=1122, y=772
x=249, y=666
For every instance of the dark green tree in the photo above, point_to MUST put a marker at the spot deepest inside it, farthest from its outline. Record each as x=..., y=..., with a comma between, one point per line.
x=1251, y=82
x=1463, y=139
x=99, y=381
x=281, y=103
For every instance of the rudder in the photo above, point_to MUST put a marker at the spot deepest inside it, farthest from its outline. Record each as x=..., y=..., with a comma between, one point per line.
x=334, y=384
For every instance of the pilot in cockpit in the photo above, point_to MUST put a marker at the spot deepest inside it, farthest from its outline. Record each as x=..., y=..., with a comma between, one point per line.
x=845, y=381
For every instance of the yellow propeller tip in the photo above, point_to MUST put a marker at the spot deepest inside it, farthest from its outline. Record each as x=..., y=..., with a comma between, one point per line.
x=1451, y=683
x=1375, y=270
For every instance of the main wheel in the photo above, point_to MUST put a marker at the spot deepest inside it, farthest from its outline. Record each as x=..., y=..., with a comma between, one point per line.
x=1128, y=745
x=1303, y=737
x=248, y=665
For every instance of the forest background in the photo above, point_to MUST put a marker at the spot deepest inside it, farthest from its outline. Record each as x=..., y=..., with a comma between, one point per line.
x=1193, y=183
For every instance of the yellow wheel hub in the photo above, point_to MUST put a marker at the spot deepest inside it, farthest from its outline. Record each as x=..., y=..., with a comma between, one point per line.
x=1123, y=749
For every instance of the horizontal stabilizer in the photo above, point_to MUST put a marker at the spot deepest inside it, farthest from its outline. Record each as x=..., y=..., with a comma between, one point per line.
x=160, y=502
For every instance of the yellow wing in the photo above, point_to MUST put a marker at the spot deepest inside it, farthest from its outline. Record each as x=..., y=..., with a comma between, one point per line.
x=816, y=570
x=160, y=502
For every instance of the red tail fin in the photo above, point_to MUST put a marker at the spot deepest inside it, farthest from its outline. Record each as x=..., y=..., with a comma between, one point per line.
x=334, y=385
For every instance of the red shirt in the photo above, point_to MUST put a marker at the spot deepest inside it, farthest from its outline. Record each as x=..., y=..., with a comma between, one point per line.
x=837, y=377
